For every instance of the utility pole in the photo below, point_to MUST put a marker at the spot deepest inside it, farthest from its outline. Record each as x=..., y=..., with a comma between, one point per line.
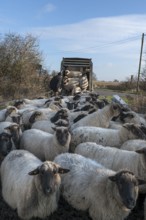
x=139, y=68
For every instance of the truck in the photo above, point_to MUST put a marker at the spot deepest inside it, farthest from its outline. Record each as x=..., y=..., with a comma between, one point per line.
x=77, y=64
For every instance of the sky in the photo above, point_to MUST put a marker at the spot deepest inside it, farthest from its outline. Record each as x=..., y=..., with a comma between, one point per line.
x=107, y=31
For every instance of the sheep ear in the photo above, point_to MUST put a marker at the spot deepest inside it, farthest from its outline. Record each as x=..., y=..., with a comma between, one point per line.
x=63, y=170
x=113, y=178
x=34, y=172
x=126, y=125
x=141, y=151
x=8, y=128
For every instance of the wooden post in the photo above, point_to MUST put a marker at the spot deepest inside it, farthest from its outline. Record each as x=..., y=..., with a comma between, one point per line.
x=139, y=68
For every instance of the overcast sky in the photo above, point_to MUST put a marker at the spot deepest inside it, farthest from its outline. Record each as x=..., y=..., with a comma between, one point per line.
x=108, y=31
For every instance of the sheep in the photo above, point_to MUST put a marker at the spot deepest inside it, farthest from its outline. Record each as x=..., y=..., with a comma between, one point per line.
x=79, y=117
x=132, y=117
x=115, y=159
x=73, y=73
x=133, y=145
x=85, y=107
x=100, y=118
x=30, y=185
x=16, y=118
x=72, y=116
x=72, y=105
x=26, y=117
x=106, y=136
x=19, y=104
x=53, y=105
x=36, y=116
x=6, y=145
x=127, y=117
x=35, y=102
x=31, y=115
x=115, y=124
x=106, y=194
x=62, y=113
x=27, y=103
x=69, y=88
x=46, y=126
x=52, y=117
x=14, y=129
x=83, y=82
x=4, y=113
x=44, y=145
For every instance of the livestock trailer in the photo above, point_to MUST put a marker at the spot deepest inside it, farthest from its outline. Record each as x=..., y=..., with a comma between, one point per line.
x=83, y=65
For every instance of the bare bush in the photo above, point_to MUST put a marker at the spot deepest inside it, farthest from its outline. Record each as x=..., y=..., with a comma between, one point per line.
x=20, y=62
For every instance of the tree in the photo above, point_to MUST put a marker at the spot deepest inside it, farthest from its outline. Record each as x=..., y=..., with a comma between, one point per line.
x=94, y=76
x=19, y=61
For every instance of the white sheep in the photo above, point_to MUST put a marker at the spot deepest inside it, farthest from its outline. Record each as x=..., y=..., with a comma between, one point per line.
x=47, y=126
x=115, y=159
x=30, y=185
x=29, y=116
x=44, y=145
x=115, y=125
x=106, y=194
x=101, y=117
x=106, y=136
x=26, y=115
x=133, y=145
x=35, y=102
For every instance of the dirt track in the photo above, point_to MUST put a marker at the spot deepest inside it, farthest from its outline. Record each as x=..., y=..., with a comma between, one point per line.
x=108, y=92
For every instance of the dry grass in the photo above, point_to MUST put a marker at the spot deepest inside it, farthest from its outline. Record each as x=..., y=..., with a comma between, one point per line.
x=104, y=84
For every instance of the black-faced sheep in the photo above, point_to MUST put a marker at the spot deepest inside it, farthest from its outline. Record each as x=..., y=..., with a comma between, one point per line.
x=101, y=117
x=106, y=194
x=6, y=145
x=30, y=185
x=44, y=145
x=115, y=159
x=4, y=113
x=106, y=136
x=14, y=129
x=47, y=126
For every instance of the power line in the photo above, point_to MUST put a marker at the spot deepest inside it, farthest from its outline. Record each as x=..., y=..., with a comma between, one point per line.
x=119, y=42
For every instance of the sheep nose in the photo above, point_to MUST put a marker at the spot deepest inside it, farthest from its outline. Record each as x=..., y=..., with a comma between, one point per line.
x=48, y=190
x=131, y=202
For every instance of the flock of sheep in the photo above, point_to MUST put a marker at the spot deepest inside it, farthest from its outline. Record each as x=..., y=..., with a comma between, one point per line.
x=82, y=147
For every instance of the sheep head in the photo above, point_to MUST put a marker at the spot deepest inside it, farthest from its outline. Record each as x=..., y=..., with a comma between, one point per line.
x=48, y=178
x=127, y=187
x=63, y=135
